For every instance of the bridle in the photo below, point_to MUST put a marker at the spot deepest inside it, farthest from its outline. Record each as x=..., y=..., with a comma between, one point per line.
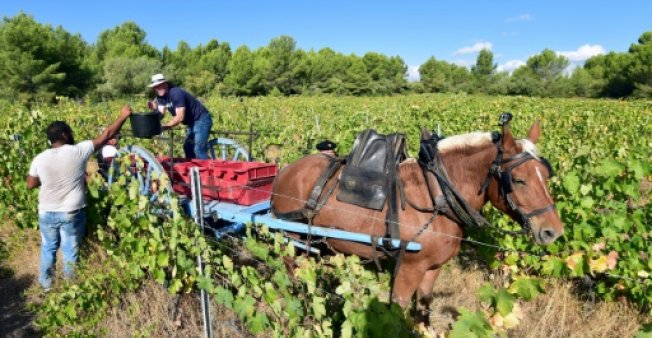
x=504, y=178
x=461, y=210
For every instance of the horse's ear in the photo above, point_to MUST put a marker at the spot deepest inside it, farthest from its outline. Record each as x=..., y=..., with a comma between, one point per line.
x=425, y=134
x=535, y=132
x=508, y=138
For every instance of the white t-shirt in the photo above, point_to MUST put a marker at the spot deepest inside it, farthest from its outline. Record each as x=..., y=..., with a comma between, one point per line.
x=61, y=172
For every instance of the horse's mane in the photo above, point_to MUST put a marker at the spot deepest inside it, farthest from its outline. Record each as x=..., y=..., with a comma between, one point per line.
x=464, y=141
x=478, y=140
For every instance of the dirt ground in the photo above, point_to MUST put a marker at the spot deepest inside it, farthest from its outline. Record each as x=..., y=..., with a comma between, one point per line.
x=18, y=273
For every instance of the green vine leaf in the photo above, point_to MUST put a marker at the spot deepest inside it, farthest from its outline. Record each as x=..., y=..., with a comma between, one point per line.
x=471, y=325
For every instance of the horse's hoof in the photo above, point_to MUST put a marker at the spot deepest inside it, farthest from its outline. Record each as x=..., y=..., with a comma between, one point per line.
x=426, y=332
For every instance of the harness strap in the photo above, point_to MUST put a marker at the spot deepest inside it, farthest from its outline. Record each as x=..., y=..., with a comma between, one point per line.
x=399, y=260
x=334, y=164
x=374, y=252
x=540, y=211
x=464, y=212
x=394, y=147
x=291, y=215
x=401, y=191
x=325, y=196
x=494, y=170
x=315, y=203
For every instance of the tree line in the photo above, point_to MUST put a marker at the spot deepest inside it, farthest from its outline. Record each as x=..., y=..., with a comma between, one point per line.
x=40, y=62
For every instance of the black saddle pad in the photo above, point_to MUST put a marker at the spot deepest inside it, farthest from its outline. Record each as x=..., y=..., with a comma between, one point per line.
x=366, y=176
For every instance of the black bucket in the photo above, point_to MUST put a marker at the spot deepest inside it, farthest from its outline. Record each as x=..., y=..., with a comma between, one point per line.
x=146, y=125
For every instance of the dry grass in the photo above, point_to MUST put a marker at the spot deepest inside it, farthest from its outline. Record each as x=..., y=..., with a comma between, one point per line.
x=557, y=313
x=153, y=312
x=19, y=274
x=23, y=248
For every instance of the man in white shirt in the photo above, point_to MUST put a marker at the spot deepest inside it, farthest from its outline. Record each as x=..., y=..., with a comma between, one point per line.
x=59, y=172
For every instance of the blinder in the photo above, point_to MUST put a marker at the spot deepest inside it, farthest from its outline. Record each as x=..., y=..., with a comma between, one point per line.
x=506, y=182
x=505, y=176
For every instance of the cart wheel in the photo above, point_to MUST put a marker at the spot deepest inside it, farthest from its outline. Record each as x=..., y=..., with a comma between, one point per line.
x=227, y=149
x=142, y=166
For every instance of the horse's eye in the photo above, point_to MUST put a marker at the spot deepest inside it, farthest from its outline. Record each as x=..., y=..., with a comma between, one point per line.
x=518, y=181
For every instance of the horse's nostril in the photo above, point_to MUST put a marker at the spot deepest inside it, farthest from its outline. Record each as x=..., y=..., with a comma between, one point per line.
x=547, y=234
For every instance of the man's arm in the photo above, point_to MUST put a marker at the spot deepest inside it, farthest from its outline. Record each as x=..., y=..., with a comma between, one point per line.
x=178, y=118
x=112, y=129
x=33, y=182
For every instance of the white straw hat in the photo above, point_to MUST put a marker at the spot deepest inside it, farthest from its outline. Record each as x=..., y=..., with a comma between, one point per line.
x=157, y=79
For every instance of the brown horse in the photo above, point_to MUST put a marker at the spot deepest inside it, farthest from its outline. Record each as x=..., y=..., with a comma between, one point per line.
x=516, y=183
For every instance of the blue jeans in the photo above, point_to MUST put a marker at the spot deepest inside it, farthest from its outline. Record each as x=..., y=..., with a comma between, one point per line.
x=196, y=144
x=65, y=229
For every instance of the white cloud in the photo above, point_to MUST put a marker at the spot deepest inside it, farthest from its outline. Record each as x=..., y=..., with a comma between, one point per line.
x=413, y=74
x=510, y=65
x=463, y=63
x=571, y=67
x=583, y=52
x=522, y=17
x=478, y=46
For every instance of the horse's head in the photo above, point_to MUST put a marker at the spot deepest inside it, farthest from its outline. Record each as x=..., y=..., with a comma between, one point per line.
x=519, y=185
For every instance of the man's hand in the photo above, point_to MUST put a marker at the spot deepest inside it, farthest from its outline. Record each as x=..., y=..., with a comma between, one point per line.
x=112, y=129
x=33, y=182
x=153, y=105
x=125, y=111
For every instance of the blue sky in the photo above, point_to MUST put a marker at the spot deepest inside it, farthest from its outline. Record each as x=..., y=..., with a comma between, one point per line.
x=415, y=30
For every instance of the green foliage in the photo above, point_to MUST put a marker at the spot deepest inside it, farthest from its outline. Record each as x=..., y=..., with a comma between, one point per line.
x=126, y=76
x=639, y=70
x=126, y=40
x=441, y=76
x=484, y=71
x=281, y=56
x=645, y=332
x=608, y=76
x=499, y=299
x=38, y=62
x=526, y=288
x=542, y=75
x=387, y=73
x=243, y=77
x=471, y=324
x=199, y=70
x=599, y=149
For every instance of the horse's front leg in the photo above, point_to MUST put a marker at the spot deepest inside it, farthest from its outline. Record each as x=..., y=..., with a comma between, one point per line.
x=406, y=281
x=424, y=296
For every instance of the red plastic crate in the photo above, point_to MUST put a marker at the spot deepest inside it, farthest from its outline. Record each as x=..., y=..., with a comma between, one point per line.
x=180, y=177
x=243, y=183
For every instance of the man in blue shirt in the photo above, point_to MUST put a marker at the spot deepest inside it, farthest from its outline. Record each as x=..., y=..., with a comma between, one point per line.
x=185, y=109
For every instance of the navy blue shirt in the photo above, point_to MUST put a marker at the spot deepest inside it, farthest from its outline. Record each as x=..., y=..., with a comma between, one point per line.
x=177, y=98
